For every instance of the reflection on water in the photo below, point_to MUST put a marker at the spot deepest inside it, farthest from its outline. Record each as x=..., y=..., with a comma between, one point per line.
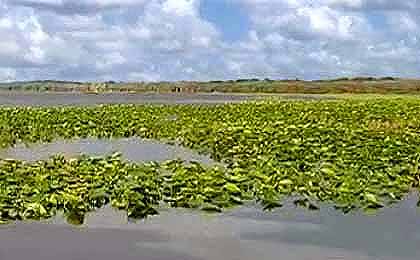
x=133, y=149
x=286, y=233
x=245, y=233
x=393, y=231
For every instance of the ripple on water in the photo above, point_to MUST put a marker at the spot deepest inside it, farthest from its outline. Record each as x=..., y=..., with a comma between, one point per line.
x=133, y=149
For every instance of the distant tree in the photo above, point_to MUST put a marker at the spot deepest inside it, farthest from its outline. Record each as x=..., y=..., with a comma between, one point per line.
x=387, y=78
x=364, y=79
x=342, y=79
x=247, y=80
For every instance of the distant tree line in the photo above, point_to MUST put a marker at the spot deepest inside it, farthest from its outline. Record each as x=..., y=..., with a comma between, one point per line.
x=297, y=79
x=357, y=79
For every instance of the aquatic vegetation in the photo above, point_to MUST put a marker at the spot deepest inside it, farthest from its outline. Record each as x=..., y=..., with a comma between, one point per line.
x=79, y=185
x=354, y=154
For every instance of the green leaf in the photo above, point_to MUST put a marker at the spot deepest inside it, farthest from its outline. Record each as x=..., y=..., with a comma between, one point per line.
x=372, y=198
x=286, y=182
x=211, y=207
x=232, y=188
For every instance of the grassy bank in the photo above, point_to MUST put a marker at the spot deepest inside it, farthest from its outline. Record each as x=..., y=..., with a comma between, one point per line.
x=387, y=85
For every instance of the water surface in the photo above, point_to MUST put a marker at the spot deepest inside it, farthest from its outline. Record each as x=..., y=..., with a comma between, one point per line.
x=80, y=99
x=16, y=98
x=245, y=233
x=132, y=149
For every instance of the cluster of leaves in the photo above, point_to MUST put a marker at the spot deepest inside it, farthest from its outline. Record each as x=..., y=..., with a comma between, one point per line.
x=77, y=186
x=351, y=153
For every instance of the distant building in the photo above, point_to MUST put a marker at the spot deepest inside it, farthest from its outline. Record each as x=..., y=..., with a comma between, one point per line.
x=185, y=88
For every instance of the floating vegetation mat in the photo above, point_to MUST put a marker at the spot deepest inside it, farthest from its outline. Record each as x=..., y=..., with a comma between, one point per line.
x=354, y=154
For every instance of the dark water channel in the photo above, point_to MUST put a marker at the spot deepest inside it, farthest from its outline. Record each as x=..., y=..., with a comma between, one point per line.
x=12, y=99
x=245, y=233
x=80, y=99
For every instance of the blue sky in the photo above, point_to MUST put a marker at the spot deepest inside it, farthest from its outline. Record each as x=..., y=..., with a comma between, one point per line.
x=229, y=17
x=154, y=40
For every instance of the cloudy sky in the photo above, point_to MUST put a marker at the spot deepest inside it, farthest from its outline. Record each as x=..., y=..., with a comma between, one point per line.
x=152, y=40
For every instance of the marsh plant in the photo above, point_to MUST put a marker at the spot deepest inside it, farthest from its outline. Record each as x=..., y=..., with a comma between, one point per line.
x=353, y=154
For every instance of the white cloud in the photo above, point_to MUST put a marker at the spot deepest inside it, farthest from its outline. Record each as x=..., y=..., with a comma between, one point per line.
x=7, y=74
x=374, y=4
x=325, y=38
x=170, y=40
x=180, y=7
x=74, y=6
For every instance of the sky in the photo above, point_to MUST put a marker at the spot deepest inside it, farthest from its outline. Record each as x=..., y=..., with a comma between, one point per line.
x=171, y=40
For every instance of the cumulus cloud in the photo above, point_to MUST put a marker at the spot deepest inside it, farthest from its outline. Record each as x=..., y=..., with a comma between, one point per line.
x=167, y=39
x=369, y=5
x=170, y=40
x=330, y=38
x=68, y=7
